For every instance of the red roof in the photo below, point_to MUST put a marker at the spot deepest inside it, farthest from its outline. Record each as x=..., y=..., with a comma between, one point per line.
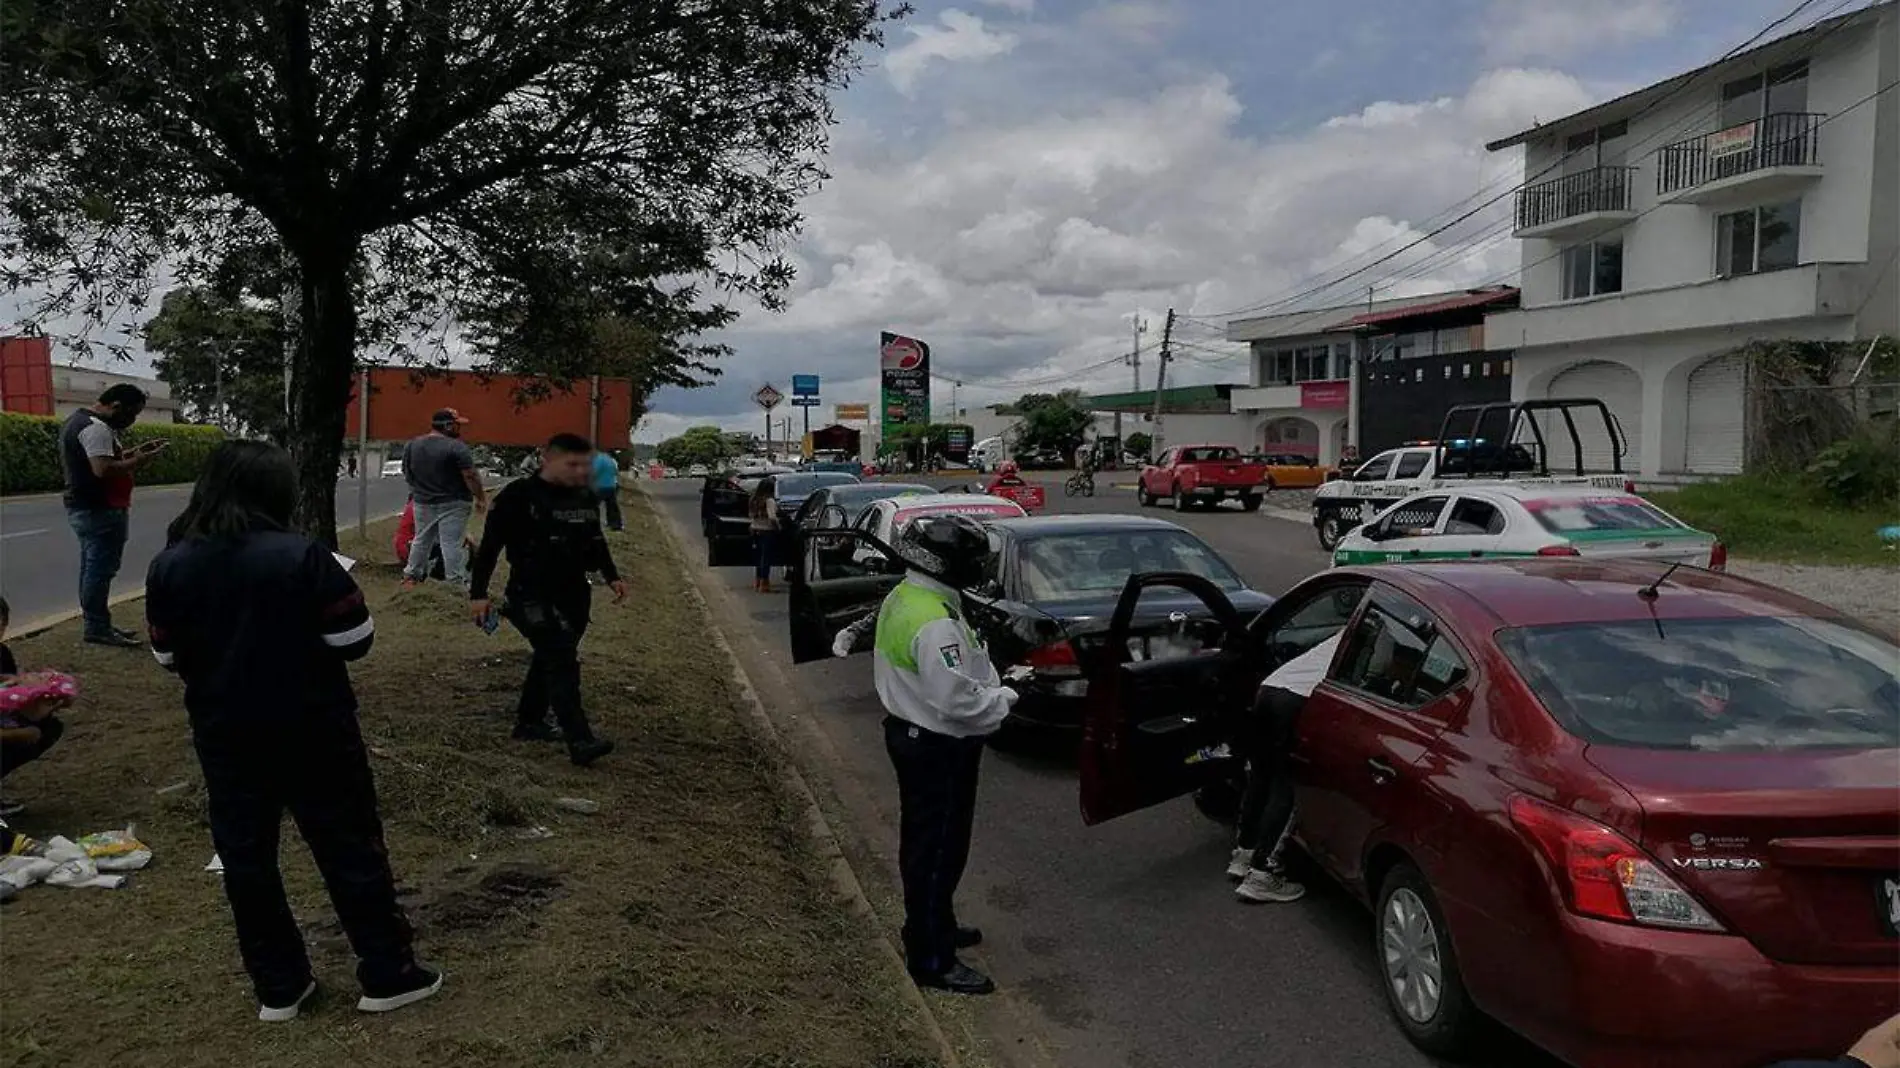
x=1480, y=299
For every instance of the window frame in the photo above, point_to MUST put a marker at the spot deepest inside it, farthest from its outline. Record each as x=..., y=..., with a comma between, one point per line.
x=1423, y=456
x=1753, y=214
x=1500, y=520
x=1593, y=268
x=1392, y=605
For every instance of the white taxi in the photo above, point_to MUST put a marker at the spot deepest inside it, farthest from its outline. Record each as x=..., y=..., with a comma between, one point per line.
x=1505, y=520
x=886, y=519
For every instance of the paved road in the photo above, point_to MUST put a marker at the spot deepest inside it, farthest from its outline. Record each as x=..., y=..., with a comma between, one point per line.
x=39, y=557
x=1122, y=944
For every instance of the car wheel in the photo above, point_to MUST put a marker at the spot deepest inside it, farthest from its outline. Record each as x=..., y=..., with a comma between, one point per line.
x=1332, y=527
x=1423, y=986
x=1142, y=496
x=1251, y=502
x=1180, y=499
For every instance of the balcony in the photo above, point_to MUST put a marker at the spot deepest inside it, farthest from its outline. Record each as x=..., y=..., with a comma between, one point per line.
x=1576, y=206
x=1751, y=162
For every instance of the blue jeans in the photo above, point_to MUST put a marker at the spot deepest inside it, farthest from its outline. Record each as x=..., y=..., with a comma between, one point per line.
x=763, y=544
x=441, y=525
x=102, y=533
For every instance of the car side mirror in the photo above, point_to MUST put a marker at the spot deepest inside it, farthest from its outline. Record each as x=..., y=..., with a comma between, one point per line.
x=877, y=565
x=989, y=590
x=833, y=516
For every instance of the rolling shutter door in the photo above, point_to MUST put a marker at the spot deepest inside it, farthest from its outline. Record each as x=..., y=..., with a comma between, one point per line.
x=1716, y=416
x=1621, y=390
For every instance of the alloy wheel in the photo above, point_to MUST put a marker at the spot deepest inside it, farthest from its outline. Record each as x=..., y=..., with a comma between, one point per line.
x=1414, y=965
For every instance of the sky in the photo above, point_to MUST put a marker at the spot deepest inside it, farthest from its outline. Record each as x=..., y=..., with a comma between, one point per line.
x=1016, y=182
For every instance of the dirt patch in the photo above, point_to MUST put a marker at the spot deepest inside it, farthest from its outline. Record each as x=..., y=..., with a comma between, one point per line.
x=686, y=922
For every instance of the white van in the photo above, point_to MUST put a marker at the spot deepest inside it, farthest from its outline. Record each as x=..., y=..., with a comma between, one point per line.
x=988, y=453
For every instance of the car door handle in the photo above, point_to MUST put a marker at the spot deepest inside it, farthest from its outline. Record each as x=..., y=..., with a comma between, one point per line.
x=1382, y=772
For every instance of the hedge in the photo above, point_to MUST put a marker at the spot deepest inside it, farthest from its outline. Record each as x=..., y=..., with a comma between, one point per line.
x=29, y=452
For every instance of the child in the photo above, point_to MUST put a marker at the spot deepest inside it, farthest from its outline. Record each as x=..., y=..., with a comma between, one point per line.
x=28, y=727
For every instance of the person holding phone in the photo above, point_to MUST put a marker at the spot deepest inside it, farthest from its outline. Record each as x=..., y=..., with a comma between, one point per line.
x=98, y=472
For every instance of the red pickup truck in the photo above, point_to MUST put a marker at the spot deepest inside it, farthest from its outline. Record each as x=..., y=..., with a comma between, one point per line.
x=1202, y=474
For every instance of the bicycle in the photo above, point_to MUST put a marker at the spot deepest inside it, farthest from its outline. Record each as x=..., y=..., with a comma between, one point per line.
x=1082, y=483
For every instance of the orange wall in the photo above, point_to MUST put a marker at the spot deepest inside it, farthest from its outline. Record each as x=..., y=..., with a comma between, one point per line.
x=26, y=375
x=401, y=401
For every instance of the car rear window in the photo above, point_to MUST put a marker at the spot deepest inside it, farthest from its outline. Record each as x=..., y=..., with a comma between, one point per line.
x=1210, y=455
x=1000, y=508
x=1576, y=515
x=1073, y=566
x=802, y=485
x=1715, y=684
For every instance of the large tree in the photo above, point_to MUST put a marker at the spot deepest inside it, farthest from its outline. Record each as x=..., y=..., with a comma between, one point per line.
x=475, y=170
x=1056, y=421
x=224, y=358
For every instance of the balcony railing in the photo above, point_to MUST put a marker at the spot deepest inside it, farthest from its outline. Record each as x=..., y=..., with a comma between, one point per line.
x=1597, y=189
x=1784, y=139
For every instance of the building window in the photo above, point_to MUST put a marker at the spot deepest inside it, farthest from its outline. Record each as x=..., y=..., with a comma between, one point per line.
x=1777, y=91
x=1342, y=361
x=1758, y=239
x=1310, y=364
x=1593, y=269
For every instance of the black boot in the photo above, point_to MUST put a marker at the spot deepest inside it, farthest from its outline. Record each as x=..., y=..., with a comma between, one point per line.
x=960, y=979
x=968, y=937
x=535, y=730
x=585, y=753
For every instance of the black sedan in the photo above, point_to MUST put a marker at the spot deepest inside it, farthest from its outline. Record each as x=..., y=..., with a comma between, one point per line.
x=725, y=505
x=1047, y=603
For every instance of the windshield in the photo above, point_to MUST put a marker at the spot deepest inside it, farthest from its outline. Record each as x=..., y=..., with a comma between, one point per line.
x=804, y=485
x=1074, y=566
x=1716, y=684
x=1575, y=515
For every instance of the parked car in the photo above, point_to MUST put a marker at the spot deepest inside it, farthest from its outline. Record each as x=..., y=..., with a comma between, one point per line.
x=1293, y=471
x=1046, y=604
x=392, y=468
x=697, y=471
x=1504, y=520
x=1642, y=820
x=1192, y=475
x=885, y=520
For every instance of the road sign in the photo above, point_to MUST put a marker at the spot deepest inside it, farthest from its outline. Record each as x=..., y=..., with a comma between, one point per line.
x=804, y=401
x=845, y=413
x=767, y=397
x=804, y=385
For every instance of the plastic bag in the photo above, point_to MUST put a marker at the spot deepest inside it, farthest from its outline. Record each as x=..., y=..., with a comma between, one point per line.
x=22, y=872
x=116, y=850
x=74, y=868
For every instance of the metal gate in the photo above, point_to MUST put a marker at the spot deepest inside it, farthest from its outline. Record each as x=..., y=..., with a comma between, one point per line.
x=1717, y=416
x=1621, y=390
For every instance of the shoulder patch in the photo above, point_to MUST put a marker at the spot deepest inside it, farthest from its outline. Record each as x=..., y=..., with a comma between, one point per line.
x=952, y=654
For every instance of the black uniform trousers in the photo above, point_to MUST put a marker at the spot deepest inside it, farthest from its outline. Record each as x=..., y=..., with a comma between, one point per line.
x=320, y=774
x=554, y=623
x=936, y=789
x=1266, y=805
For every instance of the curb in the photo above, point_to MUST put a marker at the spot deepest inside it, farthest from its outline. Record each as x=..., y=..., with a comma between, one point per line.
x=830, y=848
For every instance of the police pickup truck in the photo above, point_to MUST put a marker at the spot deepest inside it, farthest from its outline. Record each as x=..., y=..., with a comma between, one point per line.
x=1462, y=453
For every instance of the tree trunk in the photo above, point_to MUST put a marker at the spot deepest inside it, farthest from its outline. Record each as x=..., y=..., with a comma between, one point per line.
x=321, y=374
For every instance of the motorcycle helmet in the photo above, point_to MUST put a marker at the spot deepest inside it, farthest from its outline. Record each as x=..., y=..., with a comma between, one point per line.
x=949, y=548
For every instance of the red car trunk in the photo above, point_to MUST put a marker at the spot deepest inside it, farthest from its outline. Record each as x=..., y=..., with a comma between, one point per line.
x=1798, y=851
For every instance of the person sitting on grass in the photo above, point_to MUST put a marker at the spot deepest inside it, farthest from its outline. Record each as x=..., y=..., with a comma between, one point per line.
x=28, y=726
x=262, y=623
x=406, y=536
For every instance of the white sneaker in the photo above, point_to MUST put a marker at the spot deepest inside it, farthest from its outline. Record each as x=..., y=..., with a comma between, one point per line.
x=1268, y=887
x=1239, y=863
x=287, y=1013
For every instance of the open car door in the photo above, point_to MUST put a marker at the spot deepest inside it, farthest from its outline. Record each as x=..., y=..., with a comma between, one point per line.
x=839, y=578
x=1156, y=729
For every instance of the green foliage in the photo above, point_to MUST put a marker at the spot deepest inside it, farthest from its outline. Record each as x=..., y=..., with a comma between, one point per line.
x=1785, y=518
x=222, y=357
x=1056, y=421
x=700, y=445
x=1862, y=470
x=1140, y=444
x=563, y=182
x=29, y=452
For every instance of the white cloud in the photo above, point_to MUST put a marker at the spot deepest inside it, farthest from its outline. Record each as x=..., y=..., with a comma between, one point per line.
x=1135, y=20
x=1518, y=30
x=1020, y=7
x=957, y=37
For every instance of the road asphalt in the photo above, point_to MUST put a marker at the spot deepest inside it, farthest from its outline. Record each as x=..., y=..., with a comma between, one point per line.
x=39, y=556
x=1120, y=944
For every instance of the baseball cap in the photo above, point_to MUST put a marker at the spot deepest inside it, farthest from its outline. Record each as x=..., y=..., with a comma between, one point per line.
x=447, y=415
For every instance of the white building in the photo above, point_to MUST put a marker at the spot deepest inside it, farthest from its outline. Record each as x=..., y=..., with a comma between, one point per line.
x=79, y=387
x=1299, y=395
x=1754, y=199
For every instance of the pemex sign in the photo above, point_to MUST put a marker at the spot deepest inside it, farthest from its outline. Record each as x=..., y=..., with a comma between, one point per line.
x=904, y=377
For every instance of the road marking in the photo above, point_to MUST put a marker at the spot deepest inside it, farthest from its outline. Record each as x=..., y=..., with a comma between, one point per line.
x=21, y=534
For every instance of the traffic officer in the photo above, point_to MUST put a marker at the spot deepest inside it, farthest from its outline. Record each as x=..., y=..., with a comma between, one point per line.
x=943, y=698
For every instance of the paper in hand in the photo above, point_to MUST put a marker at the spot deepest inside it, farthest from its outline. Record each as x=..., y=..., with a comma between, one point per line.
x=345, y=562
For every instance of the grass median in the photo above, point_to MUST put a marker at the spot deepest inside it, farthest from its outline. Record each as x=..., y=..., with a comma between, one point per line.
x=688, y=922
x=1784, y=520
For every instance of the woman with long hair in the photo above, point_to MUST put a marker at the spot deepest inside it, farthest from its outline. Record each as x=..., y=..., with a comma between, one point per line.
x=763, y=509
x=260, y=622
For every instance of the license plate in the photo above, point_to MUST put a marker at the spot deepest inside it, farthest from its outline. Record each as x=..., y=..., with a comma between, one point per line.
x=1887, y=900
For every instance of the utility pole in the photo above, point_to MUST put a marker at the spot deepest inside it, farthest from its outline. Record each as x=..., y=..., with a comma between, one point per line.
x=1134, y=360
x=1161, y=379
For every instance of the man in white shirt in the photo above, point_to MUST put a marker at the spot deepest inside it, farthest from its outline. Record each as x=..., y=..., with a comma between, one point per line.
x=942, y=697
x=1266, y=805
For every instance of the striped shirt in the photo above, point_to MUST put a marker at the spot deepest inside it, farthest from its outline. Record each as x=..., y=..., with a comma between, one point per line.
x=260, y=628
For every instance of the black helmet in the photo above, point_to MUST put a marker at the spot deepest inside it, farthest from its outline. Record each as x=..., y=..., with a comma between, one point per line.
x=950, y=548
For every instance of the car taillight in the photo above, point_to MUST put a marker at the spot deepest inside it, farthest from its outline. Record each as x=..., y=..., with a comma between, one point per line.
x=1559, y=550
x=1055, y=659
x=1603, y=874
x=1629, y=487
x=1718, y=557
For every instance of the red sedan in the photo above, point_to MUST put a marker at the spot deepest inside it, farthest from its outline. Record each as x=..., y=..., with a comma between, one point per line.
x=1642, y=817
